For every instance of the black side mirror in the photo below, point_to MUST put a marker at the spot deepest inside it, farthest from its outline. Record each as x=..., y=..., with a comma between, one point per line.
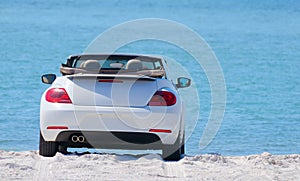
x=48, y=78
x=183, y=82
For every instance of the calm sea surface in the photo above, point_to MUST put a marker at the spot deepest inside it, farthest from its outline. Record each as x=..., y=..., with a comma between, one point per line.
x=256, y=42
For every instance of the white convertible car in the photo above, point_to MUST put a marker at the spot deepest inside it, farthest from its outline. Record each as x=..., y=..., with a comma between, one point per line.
x=116, y=101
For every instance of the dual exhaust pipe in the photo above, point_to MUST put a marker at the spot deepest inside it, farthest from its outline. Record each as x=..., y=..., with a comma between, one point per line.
x=76, y=138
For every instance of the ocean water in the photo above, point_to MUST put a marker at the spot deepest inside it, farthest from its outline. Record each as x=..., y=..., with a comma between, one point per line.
x=256, y=42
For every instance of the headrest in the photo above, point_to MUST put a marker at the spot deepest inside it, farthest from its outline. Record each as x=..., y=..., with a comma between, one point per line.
x=134, y=65
x=90, y=65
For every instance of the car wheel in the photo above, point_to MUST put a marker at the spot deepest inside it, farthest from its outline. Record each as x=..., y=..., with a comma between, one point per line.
x=172, y=152
x=182, y=149
x=63, y=149
x=47, y=148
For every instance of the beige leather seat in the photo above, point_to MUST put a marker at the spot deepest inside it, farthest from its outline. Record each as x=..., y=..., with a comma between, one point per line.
x=134, y=65
x=91, y=65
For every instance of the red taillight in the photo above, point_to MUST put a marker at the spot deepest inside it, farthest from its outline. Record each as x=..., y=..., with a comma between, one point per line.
x=110, y=80
x=57, y=127
x=162, y=98
x=160, y=130
x=58, y=95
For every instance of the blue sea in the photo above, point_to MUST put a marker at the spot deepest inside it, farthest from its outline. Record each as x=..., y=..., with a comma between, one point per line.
x=257, y=44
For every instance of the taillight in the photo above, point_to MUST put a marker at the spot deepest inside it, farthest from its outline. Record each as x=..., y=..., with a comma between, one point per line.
x=162, y=98
x=110, y=80
x=58, y=95
x=57, y=127
x=160, y=130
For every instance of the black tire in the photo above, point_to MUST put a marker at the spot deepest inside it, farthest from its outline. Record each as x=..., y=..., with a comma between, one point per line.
x=182, y=149
x=172, y=152
x=63, y=149
x=47, y=148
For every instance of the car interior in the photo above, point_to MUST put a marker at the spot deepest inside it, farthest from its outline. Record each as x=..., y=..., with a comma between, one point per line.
x=114, y=65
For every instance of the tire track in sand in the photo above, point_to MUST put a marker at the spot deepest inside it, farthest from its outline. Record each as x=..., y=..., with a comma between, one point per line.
x=42, y=165
x=174, y=170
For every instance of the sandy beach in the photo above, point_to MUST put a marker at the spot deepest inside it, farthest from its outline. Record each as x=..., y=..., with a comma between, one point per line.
x=28, y=165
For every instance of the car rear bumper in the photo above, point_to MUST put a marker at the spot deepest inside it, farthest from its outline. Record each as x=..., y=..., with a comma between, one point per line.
x=109, y=140
x=110, y=119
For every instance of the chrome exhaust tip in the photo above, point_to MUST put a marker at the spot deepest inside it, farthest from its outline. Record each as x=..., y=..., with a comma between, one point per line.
x=81, y=139
x=74, y=138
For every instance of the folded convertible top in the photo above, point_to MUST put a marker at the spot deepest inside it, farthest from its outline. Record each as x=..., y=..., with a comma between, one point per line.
x=150, y=73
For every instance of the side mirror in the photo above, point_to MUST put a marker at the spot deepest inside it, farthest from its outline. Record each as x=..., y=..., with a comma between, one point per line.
x=183, y=82
x=48, y=78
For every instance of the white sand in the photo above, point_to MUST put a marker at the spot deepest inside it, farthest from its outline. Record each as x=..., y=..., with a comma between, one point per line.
x=29, y=165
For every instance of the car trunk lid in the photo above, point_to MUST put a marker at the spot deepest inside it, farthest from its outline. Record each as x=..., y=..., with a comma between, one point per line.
x=112, y=90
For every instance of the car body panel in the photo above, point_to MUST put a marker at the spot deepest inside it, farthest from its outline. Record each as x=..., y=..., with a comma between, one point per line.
x=113, y=107
x=125, y=92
